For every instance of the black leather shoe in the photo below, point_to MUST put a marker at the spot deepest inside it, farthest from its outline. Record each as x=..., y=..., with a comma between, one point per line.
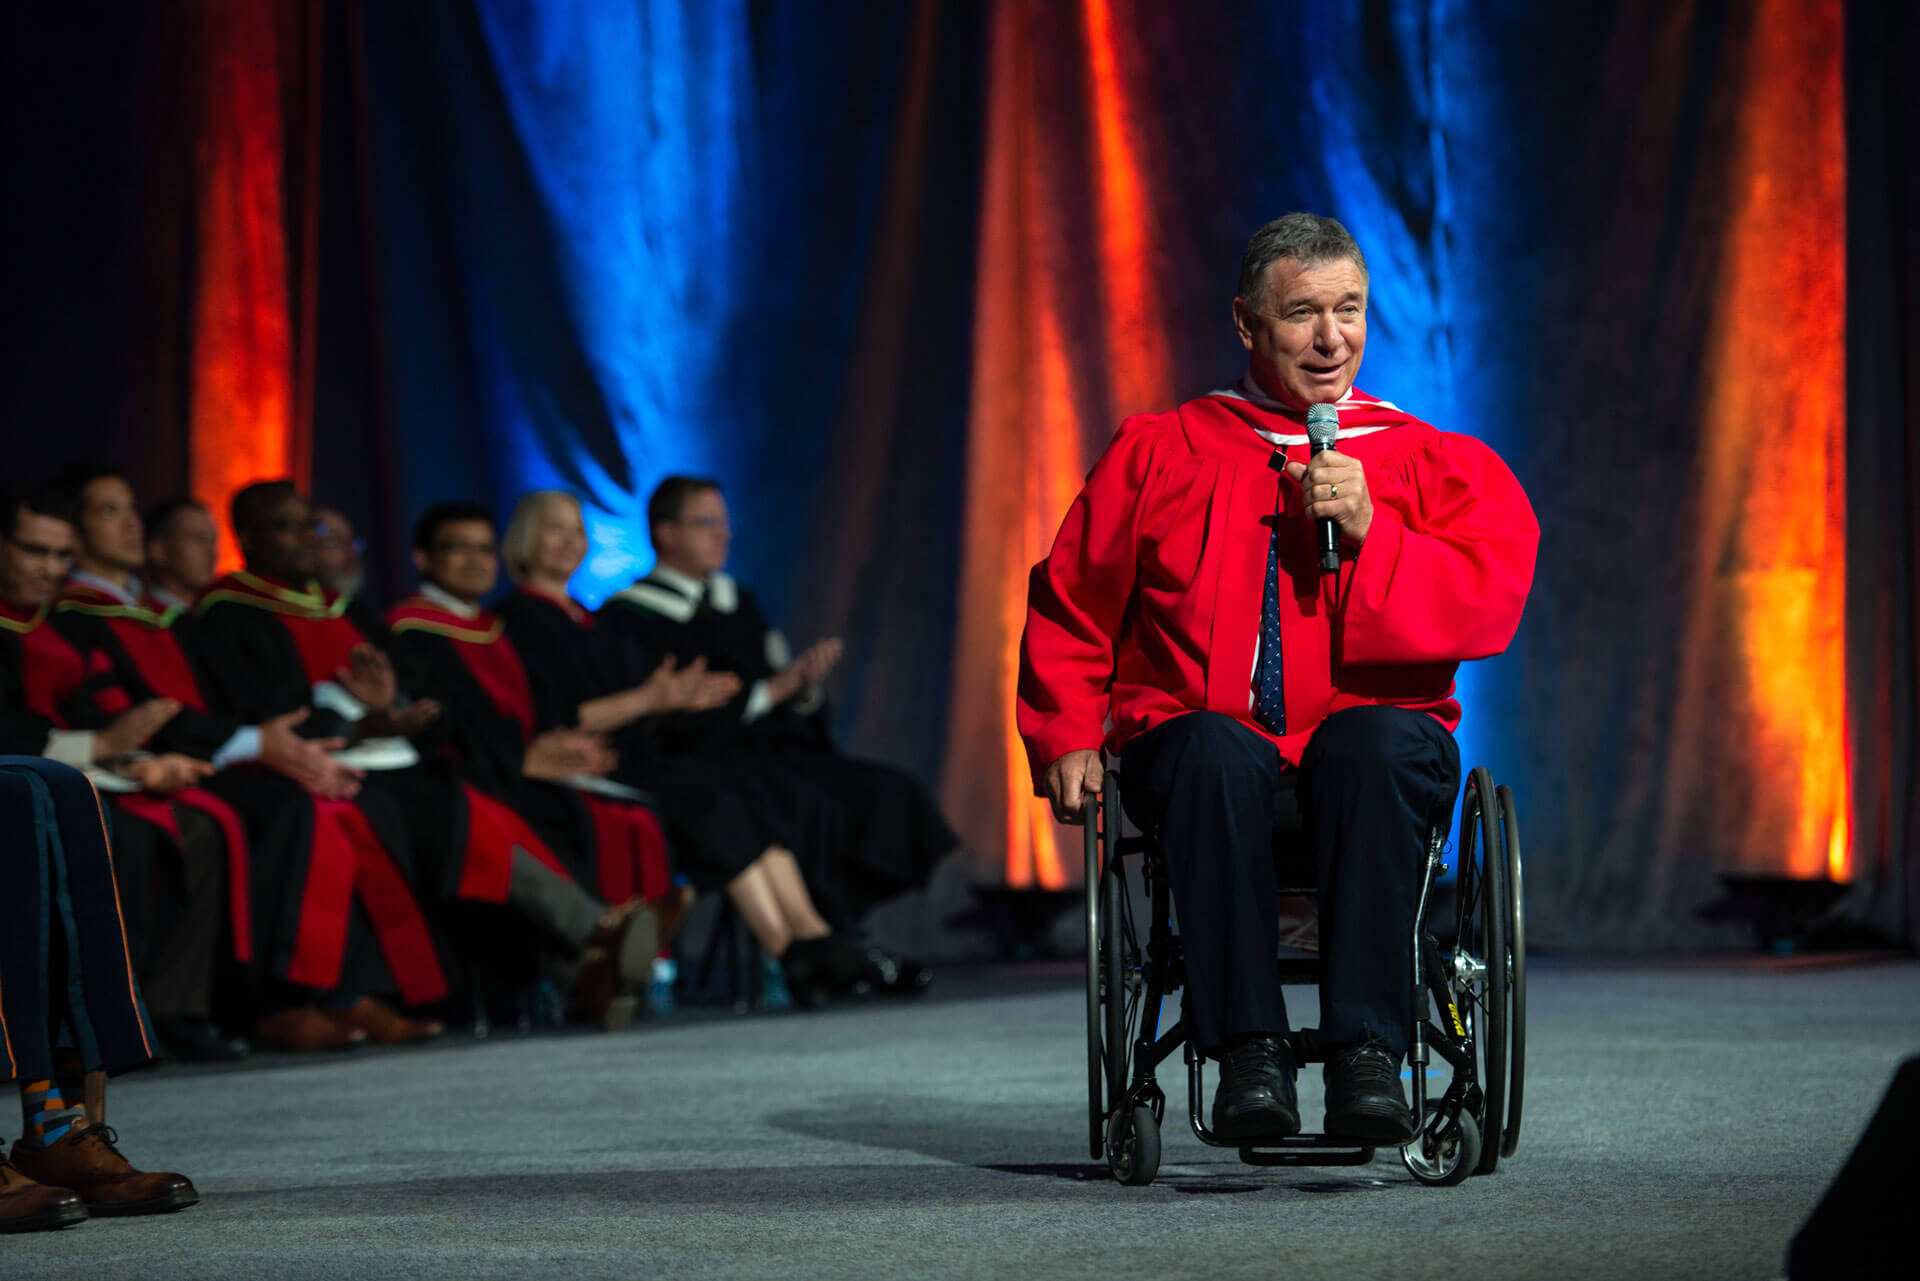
x=816, y=971
x=885, y=974
x=1256, y=1098
x=197, y=1040
x=1364, y=1098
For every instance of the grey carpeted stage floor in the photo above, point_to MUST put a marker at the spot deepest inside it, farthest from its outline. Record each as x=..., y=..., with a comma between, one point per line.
x=1682, y=1119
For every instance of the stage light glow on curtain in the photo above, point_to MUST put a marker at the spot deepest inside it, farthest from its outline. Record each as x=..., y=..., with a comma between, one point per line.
x=241, y=409
x=631, y=122
x=1066, y=343
x=1764, y=653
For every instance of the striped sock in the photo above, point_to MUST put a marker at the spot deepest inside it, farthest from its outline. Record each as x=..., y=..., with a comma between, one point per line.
x=49, y=1117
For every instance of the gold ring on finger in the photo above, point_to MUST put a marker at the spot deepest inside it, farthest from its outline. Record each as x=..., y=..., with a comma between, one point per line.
x=1333, y=491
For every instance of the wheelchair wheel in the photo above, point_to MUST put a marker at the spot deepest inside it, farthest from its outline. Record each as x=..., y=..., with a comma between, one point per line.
x=1096, y=1030
x=1481, y=956
x=1516, y=974
x=1133, y=1145
x=1444, y=1152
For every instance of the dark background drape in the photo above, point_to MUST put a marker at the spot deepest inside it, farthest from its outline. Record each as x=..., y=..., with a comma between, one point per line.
x=893, y=273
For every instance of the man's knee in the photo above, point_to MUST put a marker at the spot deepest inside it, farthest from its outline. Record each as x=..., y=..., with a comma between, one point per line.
x=1207, y=737
x=1196, y=750
x=1376, y=735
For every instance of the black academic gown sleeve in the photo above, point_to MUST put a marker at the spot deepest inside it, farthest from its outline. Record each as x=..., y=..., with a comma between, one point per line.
x=190, y=731
x=564, y=666
x=487, y=745
x=254, y=671
x=735, y=642
x=22, y=732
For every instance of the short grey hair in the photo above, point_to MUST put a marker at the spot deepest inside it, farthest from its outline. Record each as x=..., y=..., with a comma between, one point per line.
x=1310, y=238
x=516, y=545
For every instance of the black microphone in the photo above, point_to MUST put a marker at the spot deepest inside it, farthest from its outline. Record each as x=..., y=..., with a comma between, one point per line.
x=1323, y=424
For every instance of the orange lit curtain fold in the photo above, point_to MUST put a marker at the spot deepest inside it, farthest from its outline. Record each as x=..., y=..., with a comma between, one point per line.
x=241, y=409
x=1764, y=695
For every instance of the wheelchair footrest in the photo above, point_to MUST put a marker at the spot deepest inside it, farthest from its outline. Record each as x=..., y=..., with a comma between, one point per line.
x=1316, y=1149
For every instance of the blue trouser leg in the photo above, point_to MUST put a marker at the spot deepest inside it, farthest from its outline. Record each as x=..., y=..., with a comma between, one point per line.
x=26, y=1049
x=1206, y=783
x=86, y=975
x=1372, y=782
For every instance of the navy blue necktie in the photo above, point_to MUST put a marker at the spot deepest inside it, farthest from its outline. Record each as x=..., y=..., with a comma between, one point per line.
x=1270, y=704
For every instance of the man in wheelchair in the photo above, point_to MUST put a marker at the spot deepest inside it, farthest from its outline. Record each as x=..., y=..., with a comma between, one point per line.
x=1187, y=620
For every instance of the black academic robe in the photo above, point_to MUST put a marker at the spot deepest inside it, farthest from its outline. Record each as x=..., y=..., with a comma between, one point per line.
x=66, y=974
x=470, y=667
x=297, y=873
x=718, y=820
x=271, y=647
x=895, y=833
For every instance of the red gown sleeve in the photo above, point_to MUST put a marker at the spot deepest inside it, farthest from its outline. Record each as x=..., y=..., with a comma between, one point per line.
x=1444, y=578
x=1076, y=600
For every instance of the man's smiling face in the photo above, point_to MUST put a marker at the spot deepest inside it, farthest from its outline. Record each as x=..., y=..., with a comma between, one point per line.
x=1306, y=330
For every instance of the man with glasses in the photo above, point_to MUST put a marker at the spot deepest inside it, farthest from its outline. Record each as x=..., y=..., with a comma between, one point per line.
x=338, y=553
x=689, y=606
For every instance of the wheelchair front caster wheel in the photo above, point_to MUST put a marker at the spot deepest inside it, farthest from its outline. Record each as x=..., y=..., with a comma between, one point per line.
x=1444, y=1152
x=1133, y=1145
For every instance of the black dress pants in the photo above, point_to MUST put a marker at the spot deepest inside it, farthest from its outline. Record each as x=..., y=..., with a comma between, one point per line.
x=1372, y=782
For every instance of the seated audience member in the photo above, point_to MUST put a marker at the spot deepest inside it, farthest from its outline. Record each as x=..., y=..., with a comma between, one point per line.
x=337, y=553
x=691, y=607
x=460, y=656
x=70, y=1011
x=295, y=809
x=274, y=641
x=730, y=828
x=183, y=547
x=173, y=856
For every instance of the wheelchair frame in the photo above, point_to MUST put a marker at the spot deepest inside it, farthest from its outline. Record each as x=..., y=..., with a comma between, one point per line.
x=1479, y=983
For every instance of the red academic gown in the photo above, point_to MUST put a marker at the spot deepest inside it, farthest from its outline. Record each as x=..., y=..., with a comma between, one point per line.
x=471, y=668
x=1148, y=604
x=269, y=644
x=292, y=911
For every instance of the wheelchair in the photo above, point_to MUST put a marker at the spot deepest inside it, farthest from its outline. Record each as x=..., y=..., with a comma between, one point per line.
x=1477, y=981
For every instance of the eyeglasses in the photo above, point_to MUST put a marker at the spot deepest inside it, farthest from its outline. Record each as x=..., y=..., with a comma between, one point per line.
x=472, y=549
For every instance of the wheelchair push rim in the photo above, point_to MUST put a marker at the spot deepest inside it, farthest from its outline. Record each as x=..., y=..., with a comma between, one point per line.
x=1481, y=958
x=1096, y=1060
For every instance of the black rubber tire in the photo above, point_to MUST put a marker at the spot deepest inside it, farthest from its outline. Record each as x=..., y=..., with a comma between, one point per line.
x=1458, y=1151
x=1096, y=1061
x=1517, y=977
x=1483, y=933
x=1133, y=1146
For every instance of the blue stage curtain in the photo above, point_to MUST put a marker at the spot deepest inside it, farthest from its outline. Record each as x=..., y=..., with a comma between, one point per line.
x=618, y=240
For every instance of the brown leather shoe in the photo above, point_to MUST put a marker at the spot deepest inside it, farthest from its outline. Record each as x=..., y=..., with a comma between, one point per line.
x=305, y=1028
x=384, y=1024
x=88, y=1162
x=671, y=909
x=30, y=1206
x=618, y=959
